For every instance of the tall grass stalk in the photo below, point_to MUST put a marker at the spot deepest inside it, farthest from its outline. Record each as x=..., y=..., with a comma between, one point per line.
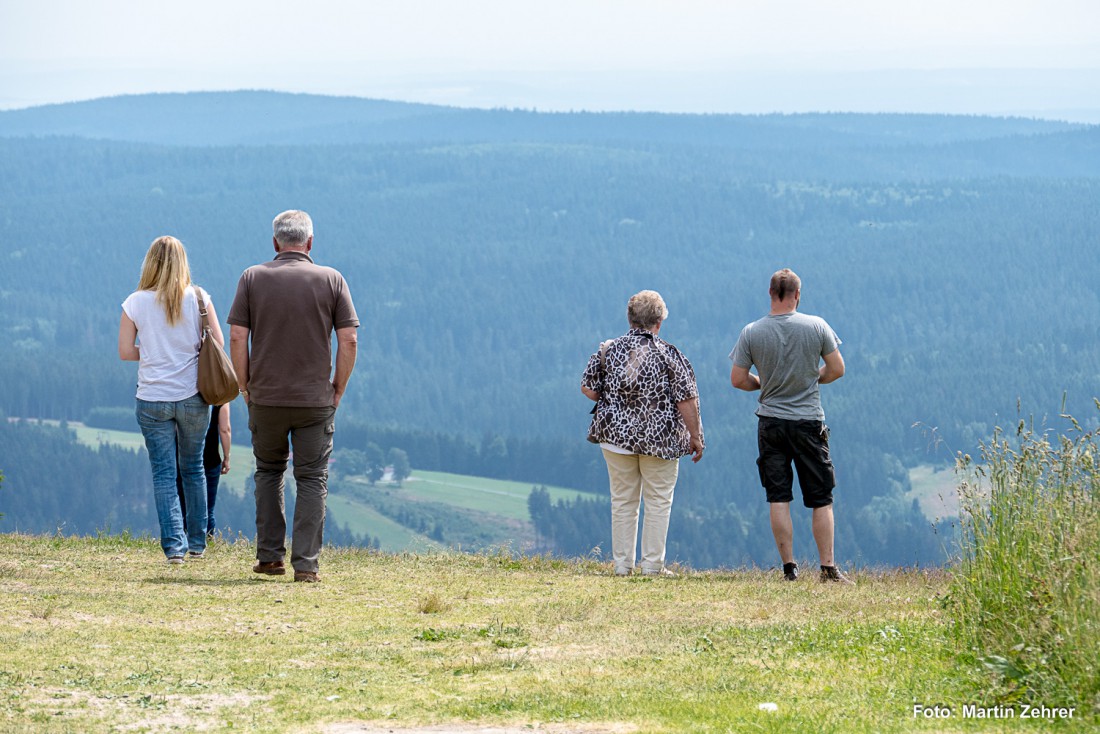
x=1026, y=595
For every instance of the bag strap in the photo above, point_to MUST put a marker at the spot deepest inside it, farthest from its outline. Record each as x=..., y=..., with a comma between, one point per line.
x=603, y=359
x=603, y=371
x=204, y=320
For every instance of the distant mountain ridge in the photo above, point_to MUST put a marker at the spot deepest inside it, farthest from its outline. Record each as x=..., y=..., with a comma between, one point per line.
x=277, y=118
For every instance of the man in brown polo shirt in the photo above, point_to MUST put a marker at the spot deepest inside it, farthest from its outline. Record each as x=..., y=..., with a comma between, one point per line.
x=289, y=307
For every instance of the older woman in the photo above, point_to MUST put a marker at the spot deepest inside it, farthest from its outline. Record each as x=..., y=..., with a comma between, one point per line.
x=161, y=330
x=646, y=418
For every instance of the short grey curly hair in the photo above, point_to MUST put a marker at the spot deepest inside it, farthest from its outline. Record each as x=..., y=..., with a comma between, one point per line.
x=646, y=309
x=292, y=228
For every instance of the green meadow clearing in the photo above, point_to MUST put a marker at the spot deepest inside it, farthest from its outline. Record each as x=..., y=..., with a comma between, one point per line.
x=488, y=500
x=933, y=487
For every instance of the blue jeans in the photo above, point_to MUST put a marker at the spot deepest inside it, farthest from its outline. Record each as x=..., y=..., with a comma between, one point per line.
x=164, y=426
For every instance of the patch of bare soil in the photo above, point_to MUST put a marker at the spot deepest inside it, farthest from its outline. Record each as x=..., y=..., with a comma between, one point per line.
x=152, y=713
x=466, y=728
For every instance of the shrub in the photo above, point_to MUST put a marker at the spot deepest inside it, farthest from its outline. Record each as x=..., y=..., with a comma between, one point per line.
x=1026, y=593
x=431, y=604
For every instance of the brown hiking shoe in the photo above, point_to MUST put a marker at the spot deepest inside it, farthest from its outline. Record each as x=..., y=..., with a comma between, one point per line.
x=832, y=575
x=308, y=577
x=271, y=568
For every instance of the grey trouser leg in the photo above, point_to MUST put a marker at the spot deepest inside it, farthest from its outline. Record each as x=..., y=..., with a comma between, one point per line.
x=310, y=432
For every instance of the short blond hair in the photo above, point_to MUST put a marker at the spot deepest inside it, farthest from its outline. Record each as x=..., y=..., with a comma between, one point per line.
x=166, y=272
x=646, y=309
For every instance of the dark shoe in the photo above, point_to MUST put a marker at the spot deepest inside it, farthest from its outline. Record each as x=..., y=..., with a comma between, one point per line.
x=195, y=556
x=307, y=577
x=790, y=571
x=271, y=568
x=175, y=560
x=832, y=575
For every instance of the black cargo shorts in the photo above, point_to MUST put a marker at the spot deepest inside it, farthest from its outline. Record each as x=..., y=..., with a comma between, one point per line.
x=806, y=444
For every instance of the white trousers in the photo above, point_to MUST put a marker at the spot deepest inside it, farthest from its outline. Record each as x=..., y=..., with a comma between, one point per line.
x=635, y=478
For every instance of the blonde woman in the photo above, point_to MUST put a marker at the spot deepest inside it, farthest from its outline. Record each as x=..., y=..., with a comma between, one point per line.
x=161, y=331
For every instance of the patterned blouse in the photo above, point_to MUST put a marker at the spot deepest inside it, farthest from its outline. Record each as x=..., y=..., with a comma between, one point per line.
x=640, y=379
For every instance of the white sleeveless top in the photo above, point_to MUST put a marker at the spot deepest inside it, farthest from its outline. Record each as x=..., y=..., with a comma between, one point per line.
x=168, y=370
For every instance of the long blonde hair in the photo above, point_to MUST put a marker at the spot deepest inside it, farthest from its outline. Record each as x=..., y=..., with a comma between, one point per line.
x=166, y=272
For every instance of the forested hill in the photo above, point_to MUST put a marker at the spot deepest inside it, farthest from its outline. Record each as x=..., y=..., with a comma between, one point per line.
x=267, y=118
x=489, y=255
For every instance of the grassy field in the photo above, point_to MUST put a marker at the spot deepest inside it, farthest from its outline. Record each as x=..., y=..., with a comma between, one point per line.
x=392, y=536
x=100, y=635
x=476, y=493
x=241, y=464
x=98, y=436
x=491, y=496
x=936, y=490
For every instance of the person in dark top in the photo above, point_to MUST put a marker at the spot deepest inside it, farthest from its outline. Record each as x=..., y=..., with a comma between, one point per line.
x=280, y=336
x=214, y=462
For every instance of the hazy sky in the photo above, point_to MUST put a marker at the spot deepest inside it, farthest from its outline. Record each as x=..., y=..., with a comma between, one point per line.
x=995, y=56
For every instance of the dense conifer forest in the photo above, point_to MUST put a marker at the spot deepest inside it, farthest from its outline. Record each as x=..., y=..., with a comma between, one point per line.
x=489, y=252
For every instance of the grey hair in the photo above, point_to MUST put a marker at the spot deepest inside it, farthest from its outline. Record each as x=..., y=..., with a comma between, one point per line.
x=292, y=228
x=646, y=309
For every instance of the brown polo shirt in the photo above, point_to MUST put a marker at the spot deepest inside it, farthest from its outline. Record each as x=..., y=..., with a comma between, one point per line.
x=291, y=306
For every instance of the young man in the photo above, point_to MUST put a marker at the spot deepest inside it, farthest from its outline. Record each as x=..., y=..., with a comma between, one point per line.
x=788, y=348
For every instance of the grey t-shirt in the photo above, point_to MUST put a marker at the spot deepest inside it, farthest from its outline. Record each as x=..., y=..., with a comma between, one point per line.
x=786, y=351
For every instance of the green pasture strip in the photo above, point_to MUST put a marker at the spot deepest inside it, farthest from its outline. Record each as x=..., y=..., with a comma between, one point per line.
x=96, y=437
x=936, y=490
x=495, y=496
x=393, y=536
x=241, y=465
x=241, y=461
x=100, y=635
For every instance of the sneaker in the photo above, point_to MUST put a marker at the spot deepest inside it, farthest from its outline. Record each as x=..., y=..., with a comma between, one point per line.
x=271, y=568
x=831, y=574
x=195, y=556
x=658, y=573
x=790, y=571
x=623, y=571
x=307, y=577
x=175, y=560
